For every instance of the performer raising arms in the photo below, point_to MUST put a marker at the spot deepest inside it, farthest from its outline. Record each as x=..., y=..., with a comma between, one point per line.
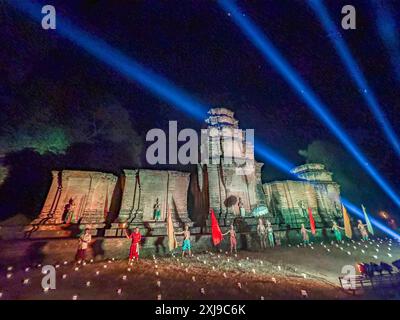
x=363, y=230
x=186, y=246
x=304, y=232
x=232, y=238
x=134, y=249
x=336, y=231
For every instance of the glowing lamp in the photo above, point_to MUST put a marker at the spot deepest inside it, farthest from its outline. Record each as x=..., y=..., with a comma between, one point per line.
x=383, y=214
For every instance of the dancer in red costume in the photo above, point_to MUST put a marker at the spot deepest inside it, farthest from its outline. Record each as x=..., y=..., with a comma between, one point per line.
x=134, y=250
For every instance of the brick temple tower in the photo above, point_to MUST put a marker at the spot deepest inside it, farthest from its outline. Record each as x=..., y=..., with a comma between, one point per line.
x=233, y=176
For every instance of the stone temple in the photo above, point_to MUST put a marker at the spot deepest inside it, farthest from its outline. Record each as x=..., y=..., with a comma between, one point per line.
x=228, y=180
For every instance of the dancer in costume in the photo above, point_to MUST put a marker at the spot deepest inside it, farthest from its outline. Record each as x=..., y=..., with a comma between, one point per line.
x=262, y=233
x=186, y=246
x=336, y=231
x=304, y=233
x=270, y=232
x=232, y=233
x=157, y=211
x=134, y=249
x=363, y=230
x=241, y=208
x=84, y=240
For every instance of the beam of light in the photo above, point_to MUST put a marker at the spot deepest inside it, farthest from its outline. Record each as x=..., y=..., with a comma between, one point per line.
x=389, y=32
x=356, y=211
x=273, y=56
x=134, y=71
x=120, y=62
x=266, y=153
x=355, y=71
x=163, y=88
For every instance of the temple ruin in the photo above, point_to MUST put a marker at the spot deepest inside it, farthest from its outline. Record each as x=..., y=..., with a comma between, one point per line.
x=228, y=181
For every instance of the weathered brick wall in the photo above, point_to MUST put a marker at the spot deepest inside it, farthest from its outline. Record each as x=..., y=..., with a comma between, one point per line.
x=291, y=200
x=91, y=192
x=143, y=187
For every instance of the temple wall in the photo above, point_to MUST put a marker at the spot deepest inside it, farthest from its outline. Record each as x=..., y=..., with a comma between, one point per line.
x=290, y=200
x=90, y=191
x=143, y=187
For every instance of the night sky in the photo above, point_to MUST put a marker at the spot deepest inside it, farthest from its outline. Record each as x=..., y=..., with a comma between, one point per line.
x=196, y=45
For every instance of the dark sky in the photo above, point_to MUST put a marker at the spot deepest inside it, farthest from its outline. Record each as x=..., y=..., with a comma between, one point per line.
x=196, y=45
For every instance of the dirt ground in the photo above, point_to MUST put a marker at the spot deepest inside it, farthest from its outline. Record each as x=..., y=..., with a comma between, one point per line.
x=290, y=272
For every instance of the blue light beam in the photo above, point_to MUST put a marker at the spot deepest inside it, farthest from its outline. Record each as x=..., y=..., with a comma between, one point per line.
x=389, y=32
x=355, y=72
x=120, y=62
x=163, y=88
x=272, y=55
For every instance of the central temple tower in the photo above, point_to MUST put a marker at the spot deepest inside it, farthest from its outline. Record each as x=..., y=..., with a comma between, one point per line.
x=234, y=177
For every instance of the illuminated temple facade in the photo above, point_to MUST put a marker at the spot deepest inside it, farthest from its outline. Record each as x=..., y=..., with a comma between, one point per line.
x=228, y=180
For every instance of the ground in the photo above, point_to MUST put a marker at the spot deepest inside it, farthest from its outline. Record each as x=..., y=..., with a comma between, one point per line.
x=287, y=272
